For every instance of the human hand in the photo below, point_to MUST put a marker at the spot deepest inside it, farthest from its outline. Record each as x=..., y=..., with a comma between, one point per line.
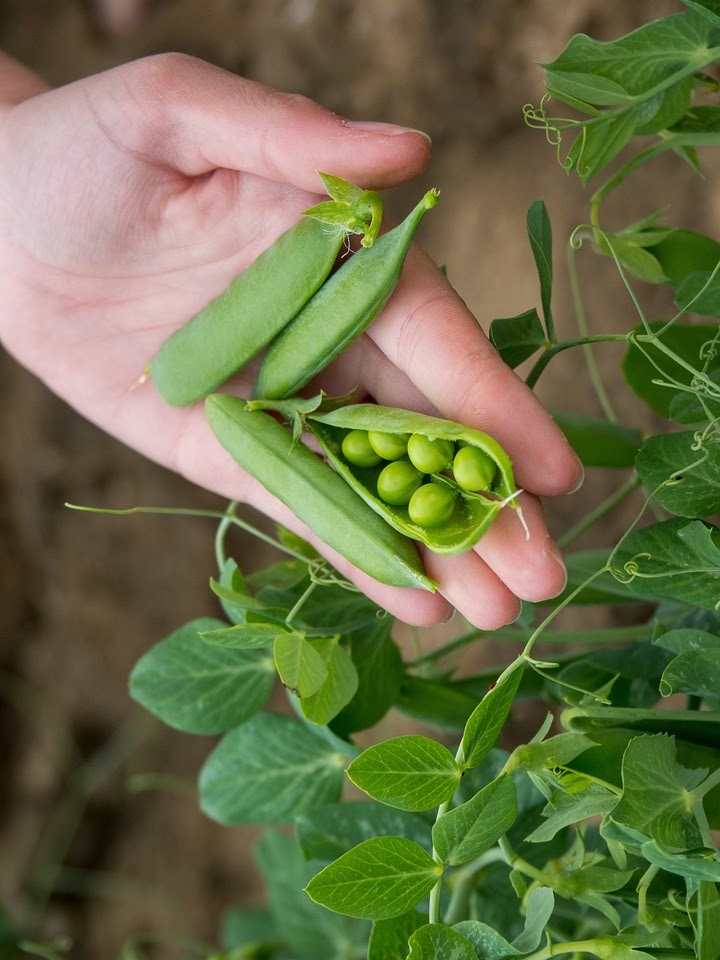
x=129, y=199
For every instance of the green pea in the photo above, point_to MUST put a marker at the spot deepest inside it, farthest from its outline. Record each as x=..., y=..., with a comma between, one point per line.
x=397, y=482
x=357, y=450
x=214, y=344
x=432, y=505
x=341, y=309
x=390, y=446
x=430, y=455
x=315, y=493
x=473, y=469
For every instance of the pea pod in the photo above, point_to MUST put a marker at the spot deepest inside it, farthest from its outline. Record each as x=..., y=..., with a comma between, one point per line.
x=473, y=513
x=315, y=493
x=339, y=312
x=235, y=326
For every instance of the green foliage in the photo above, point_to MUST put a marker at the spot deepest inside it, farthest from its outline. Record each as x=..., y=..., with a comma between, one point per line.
x=594, y=837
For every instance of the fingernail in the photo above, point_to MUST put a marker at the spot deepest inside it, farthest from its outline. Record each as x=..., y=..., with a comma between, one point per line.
x=552, y=551
x=451, y=616
x=385, y=129
x=580, y=481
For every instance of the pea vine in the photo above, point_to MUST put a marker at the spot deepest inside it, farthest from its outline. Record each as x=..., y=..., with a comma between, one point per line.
x=597, y=837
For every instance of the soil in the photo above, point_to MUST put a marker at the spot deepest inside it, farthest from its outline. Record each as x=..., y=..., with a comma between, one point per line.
x=81, y=597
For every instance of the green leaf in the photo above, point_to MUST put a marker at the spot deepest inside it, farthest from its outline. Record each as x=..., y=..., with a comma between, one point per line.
x=557, y=751
x=708, y=8
x=245, y=636
x=538, y=910
x=700, y=293
x=435, y=702
x=389, y=938
x=539, y=231
x=681, y=473
x=250, y=927
x=701, y=727
x=339, y=685
x=299, y=665
x=327, y=832
x=307, y=929
x=198, y=688
x=630, y=69
x=696, y=672
x=231, y=578
x=488, y=943
x=487, y=719
x=633, y=256
x=517, y=338
x=329, y=609
x=684, y=252
x=411, y=772
x=674, y=558
x=599, y=443
x=271, y=769
x=435, y=941
x=565, y=809
x=645, y=362
x=600, y=143
x=465, y=832
x=380, y=671
x=656, y=797
x=702, y=866
x=380, y=878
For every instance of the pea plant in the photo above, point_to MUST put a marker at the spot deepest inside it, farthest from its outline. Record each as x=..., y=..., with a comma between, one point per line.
x=595, y=837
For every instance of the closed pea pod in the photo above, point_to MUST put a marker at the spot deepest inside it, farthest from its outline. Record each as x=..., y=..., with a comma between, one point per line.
x=315, y=493
x=214, y=344
x=339, y=312
x=472, y=513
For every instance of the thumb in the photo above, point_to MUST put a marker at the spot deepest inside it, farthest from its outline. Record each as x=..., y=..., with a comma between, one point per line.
x=182, y=112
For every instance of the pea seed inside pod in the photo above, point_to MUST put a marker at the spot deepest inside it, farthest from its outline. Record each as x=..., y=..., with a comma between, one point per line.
x=390, y=446
x=430, y=455
x=397, y=482
x=432, y=505
x=473, y=469
x=357, y=450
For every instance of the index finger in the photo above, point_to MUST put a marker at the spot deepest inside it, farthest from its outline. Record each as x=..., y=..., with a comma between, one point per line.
x=427, y=331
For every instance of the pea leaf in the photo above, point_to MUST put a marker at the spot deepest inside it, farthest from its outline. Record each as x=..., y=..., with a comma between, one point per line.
x=309, y=928
x=380, y=671
x=435, y=941
x=565, y=809
x=538, y=910
x=700, y=727
x=465, y=832
x=488, y=943
x=599, y=443
x=708, y=8
x=327, y=832
x=411, y=772
x=674, y=558
x=238, y=784
x=557, y=751
x=689, y=473
x=339, y=686
x=644, y=362
x=389, y=938
x=684, y=252
x=487, y=719
x=380, y=878
x=656, y=793
x=299, y=665
x=702, y=866
x=695, y=672
x=539, y=231
x=517, y=338
x=704, y=911
x=243, y=636
x=198, y=688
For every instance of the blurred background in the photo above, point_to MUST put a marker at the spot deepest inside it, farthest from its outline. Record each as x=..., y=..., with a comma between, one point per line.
x=82, y=597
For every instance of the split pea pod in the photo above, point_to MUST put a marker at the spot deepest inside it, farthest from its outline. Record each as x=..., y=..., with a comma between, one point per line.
x=214, y=344
x=315, y=493
x=473, y=511
x=339, y=312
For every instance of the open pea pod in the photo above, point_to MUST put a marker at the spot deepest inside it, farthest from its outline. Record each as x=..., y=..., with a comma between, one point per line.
x=473, y=513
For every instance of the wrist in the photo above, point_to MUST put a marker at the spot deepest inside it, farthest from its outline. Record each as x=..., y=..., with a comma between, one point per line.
x=17, y=83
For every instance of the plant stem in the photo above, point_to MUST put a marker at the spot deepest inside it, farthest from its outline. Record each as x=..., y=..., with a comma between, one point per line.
x=550, y=352
x=601, y=511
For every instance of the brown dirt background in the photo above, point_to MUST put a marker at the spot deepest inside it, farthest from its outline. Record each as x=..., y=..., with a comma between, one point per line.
x=81, y=598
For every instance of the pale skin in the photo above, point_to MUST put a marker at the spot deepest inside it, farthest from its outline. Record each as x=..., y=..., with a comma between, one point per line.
x=131, y=198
